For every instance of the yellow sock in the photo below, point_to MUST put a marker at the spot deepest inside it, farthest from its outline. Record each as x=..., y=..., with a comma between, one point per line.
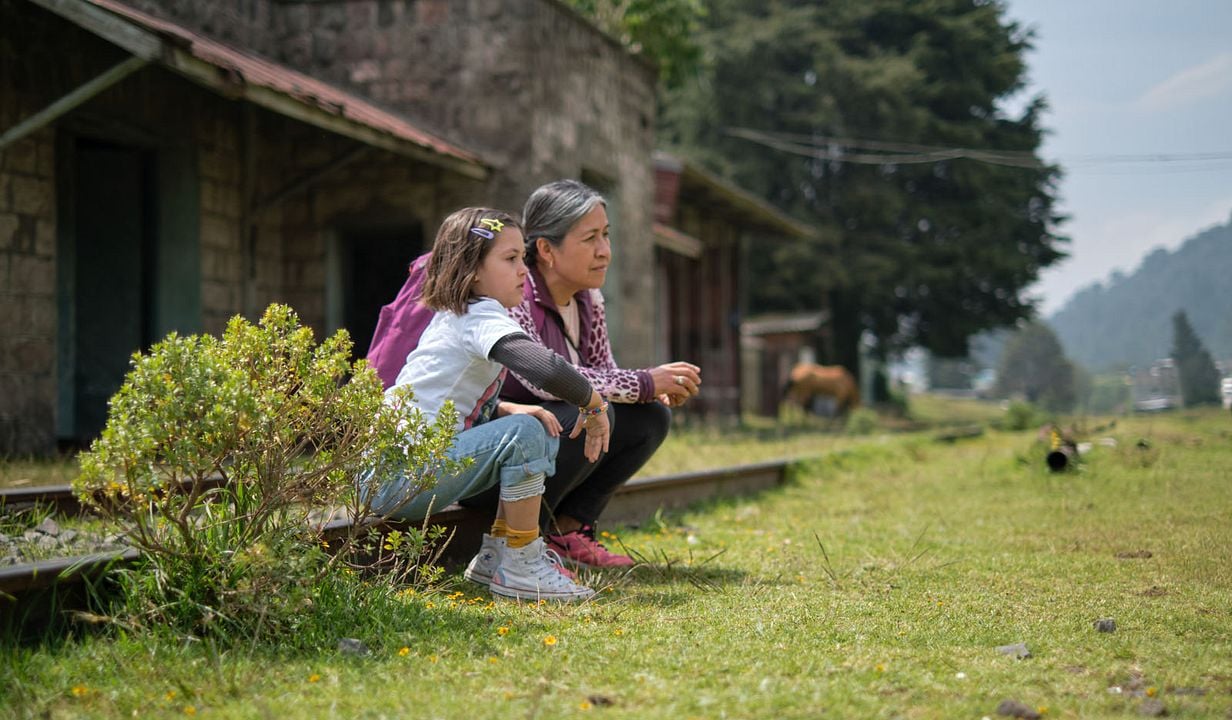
x=520, y=538
x=499, y=528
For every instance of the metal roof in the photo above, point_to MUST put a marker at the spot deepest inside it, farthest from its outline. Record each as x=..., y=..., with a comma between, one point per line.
x=779, y=324
x=737, y=198
x=238, y=73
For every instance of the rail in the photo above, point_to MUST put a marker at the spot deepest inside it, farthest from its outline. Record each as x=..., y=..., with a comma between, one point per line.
x=636, y=501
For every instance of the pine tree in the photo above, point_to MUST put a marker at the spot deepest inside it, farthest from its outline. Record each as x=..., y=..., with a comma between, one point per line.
x=1195, y=368
x=916, y=247
x=1034, y=366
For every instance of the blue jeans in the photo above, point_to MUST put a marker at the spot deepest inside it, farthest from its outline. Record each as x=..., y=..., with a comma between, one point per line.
x=513, y=451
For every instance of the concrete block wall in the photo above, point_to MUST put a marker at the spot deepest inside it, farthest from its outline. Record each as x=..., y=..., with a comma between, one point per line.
x=29, y=80
x=27, y=292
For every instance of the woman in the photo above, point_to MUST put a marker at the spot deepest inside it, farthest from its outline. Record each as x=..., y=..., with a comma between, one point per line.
x=568, y=251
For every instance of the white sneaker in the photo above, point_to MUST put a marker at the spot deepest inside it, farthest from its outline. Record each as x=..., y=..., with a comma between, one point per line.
x=526, y=573
x=486, y=560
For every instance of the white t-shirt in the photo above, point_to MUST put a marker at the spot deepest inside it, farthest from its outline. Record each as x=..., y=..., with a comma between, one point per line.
x=451, y=362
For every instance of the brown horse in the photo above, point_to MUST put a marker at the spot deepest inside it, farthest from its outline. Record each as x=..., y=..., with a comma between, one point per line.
x=808, y=382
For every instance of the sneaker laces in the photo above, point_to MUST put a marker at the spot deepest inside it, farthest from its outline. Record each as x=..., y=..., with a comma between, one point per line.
x=548, y=570
x=588, y=531
x=555, y=559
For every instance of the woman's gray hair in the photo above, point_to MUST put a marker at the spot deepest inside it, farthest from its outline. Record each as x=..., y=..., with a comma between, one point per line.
x=553, y=210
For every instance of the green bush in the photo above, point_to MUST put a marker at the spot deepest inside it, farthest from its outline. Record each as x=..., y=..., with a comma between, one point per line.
x=862, y=421
x=1021, y=415
x=217, y=455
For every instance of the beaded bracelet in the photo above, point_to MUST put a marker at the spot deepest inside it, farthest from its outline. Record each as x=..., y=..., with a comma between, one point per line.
x=598, y=410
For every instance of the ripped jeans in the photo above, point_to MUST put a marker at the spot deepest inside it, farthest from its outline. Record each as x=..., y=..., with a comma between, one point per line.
x=514, y=451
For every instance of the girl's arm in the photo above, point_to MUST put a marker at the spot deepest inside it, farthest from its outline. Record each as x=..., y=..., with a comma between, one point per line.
x=542, y=368
x=599, y=368
x=545, y=369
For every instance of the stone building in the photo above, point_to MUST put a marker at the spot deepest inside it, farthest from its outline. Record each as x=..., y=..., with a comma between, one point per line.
x=704, y=228
x=166, y=164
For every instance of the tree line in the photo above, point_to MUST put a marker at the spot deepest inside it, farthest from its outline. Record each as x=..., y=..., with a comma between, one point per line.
x=884, y=124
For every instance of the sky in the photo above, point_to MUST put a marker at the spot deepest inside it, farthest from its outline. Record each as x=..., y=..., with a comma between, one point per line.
x=1130, y=77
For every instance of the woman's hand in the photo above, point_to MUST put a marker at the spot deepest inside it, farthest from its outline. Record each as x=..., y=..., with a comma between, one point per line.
x=598, y=433
x=679, y=381
x=540, y=413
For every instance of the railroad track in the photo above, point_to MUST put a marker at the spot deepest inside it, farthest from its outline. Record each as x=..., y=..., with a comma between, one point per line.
x=635, y=502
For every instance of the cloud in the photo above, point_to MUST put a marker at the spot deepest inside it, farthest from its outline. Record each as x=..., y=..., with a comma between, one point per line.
x=1198, y=82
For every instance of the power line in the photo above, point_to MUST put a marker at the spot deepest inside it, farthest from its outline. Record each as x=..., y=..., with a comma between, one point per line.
x=883, y=152
x=835, y=149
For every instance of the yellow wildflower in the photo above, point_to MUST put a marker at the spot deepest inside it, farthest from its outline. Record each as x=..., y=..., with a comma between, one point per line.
x=429, y=604
x=80, y=690
x=433, y=658
x=584, y=705
x=1150, y=692
x=404, y=652
x=502, y=630
x=190, y=710
x=880, y=667
x=550, y=640
x=618, y=632
x=314, y=678
x=493, y=660
x=169, y=696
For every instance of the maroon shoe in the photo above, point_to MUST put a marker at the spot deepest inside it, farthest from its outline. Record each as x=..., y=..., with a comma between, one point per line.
x=580, y=549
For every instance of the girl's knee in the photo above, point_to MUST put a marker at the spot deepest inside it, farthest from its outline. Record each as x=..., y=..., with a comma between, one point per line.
x=528, y=430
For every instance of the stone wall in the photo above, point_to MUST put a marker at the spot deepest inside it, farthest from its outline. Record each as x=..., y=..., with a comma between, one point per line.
x=29, y=80
x=535, y=88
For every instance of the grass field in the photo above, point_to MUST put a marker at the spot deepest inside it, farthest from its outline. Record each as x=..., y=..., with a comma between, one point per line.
x=880, y=582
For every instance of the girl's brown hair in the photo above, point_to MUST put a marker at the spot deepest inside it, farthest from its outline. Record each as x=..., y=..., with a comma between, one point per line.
x=461, y=245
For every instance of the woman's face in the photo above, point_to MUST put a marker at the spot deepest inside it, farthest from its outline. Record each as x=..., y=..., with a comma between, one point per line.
x=582, y=258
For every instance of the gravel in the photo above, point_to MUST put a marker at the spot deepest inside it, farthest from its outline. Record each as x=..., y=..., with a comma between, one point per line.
x=49, y=540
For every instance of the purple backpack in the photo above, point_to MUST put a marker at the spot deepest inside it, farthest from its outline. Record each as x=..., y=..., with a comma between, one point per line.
x=401, y=324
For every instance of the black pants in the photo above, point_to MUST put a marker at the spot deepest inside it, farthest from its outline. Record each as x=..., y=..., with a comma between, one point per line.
x=581, y=489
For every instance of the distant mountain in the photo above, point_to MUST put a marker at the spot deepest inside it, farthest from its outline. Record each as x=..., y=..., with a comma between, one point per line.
x=1128, y=320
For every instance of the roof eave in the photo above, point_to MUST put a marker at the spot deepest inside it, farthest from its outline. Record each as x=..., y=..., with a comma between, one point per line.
x=762, y=212
x=148, y=45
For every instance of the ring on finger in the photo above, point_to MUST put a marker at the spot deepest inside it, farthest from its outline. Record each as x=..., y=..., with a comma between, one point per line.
x=680, y=379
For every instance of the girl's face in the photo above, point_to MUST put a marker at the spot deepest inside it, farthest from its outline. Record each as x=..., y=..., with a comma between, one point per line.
x=583, y=256
x=503, y=269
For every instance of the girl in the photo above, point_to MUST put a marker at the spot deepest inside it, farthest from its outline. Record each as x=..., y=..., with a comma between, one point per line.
x=475, y=274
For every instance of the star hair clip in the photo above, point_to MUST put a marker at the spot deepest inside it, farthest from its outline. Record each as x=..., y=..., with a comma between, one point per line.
x=491, y=226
